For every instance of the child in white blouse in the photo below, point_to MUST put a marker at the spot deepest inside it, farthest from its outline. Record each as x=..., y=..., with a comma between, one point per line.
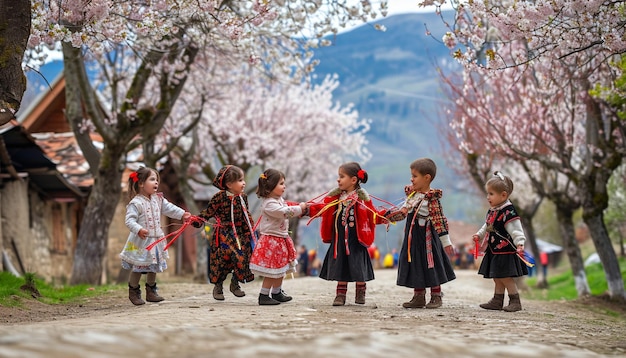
x=143, y=219
x=274, y=255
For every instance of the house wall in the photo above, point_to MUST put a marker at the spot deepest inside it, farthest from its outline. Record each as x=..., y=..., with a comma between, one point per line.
x=118, y=233
x=39, y=234
x=17, y=238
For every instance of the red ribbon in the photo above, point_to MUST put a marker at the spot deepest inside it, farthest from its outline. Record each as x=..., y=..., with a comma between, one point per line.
x=176, y=234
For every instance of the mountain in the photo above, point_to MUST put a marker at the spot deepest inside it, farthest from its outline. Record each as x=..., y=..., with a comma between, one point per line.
x=392, y=78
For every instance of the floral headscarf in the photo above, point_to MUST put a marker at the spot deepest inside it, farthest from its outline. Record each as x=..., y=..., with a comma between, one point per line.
x=218, y=182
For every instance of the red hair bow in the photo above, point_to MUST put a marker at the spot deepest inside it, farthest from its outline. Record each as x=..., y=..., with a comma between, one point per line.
x=134, y=177
x=360, y=174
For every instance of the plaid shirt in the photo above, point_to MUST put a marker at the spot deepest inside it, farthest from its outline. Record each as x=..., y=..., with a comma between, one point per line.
x=435, y=211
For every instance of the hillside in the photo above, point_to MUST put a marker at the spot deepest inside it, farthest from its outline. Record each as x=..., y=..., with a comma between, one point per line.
x=391, y=78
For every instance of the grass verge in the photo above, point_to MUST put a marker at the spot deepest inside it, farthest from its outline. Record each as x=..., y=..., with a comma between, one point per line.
x=13, y=289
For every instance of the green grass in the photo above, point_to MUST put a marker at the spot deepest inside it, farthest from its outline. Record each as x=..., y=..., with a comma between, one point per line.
x=562, y=286
x=11, y=294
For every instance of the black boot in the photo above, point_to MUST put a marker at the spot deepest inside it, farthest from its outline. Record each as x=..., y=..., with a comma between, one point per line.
x=266, y=300
x=281, y=296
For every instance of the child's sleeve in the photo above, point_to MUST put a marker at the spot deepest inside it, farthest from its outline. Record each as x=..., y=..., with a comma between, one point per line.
x=482, y=231
x=315, y=208
x=439, y=221
x=171, y=210
x=377, y=215
x=275, y=209
x=132, y=218
x=514, y=228
x=211, y=207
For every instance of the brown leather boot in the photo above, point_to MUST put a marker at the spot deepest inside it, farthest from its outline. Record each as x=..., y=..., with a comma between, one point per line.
x=152, y=294
x=495, y=303
x=134, y=295
x=418, y=301
x=340, y=300
x=514, y=303
x=359, y=297
x=235, y=289
x=435, y=301
x=218, y=292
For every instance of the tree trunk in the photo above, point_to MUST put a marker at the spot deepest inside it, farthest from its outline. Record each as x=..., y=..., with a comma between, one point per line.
x=566, y=227
x=93, y=237
x=15, y=20
x=201, y=244
x=604, y=248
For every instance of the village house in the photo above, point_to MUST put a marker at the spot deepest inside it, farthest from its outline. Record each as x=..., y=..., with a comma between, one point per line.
x=44, y=190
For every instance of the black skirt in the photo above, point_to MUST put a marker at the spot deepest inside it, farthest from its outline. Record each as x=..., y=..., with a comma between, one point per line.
x=355, y=267
x=502, y=265
x=417, y=274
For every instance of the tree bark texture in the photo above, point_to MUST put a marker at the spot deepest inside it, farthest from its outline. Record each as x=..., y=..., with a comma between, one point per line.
x=607, y=255
x=14, y=31
x=566, y=227
x=604, y=155
x=93, y=236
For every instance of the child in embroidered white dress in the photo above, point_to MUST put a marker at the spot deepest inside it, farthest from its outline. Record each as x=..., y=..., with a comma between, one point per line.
x=274, y=255
x=143, y=219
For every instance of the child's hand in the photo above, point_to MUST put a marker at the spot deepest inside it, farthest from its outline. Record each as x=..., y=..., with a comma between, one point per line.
x=520, y=248
x=186, y=216
x=305, y=209
x=449, y=251
x=143, y=233
x=197, y=222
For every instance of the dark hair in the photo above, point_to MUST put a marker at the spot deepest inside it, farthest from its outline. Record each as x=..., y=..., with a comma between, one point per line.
x=353, y=169
x=268, y=181
x=425, y=166
x=232, y=173
x=500, y=183
x=137, y=178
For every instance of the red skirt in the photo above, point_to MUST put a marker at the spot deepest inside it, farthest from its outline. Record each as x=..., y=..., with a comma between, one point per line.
x=273, y=257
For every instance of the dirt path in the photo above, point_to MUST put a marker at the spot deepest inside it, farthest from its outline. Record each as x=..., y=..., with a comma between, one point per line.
x=190, y=323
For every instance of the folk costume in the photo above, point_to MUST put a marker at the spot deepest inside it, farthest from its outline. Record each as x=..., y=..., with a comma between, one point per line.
x=231, y=244
x=144, y=212
x=274, y=255
x=348, y=223
x=501, y=234
x=422, y=261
